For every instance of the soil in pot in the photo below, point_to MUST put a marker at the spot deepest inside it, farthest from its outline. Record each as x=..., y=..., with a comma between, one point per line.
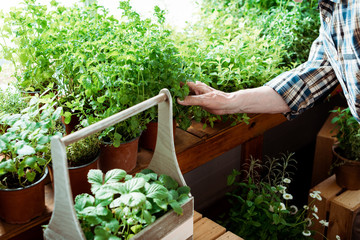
x=123, y=157
x=347, y=171
x=21, y=205
x=149, y=135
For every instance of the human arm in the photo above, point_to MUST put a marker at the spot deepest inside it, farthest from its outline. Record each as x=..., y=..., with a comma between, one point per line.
x=291, y=92
x=256, y=100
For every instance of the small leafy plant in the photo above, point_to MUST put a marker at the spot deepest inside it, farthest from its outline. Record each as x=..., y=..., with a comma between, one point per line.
x=348, y=134
x=261, y=206
x=26, y=143
x=122, y=205
x=83, y=151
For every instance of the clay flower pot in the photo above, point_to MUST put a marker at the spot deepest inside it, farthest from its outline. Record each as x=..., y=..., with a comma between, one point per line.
x=78, y=177
x=123, y=157
x=149, y=135
x=72, y=124
x=18, y=206
x=347, y=171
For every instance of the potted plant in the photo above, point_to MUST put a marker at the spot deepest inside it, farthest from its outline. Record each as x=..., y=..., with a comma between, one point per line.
x=82, y=156
x=346, y=150
x=128, y=204
x=262, y=207
x=23, y=167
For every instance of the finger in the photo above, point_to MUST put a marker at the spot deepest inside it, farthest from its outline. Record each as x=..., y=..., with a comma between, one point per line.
x=199, y=87
x=192, y=100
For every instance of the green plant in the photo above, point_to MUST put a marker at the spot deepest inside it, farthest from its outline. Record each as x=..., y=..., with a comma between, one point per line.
x=34, y=36
x=348, y=134
x=83, y=151
x=11, y=101
x=238, y=44
x=97, y=79
x=260, y=207
x=26, y=143
x=123, y=205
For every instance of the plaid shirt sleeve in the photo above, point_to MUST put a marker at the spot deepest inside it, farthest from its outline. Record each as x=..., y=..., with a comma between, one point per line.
x=302, y=86
x=334, y=57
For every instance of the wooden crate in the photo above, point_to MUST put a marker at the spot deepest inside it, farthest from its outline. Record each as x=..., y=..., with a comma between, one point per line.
x=339, y=207
x=64, y=223
x=323, y=154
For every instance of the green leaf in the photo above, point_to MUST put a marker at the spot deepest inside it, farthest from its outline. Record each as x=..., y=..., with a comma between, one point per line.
x=133, y=199
x=147, y=217
x=101, y=99
x=67, y=116
x=95, y=178
x=43, y=140
x=114, y=175
x=25, y=150
x=83, y=200
x=136, y=228
x=102, y=211
x=134, y=184
x=30, y=175
x=30, y=161
x=155, y=190
x=168, y=182
x=183, y=190
x=176, y=206
x=113, y=225
x=117, y=140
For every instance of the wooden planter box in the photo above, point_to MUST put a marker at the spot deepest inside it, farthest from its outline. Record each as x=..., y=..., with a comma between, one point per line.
x=64, y=223
x=340, y=208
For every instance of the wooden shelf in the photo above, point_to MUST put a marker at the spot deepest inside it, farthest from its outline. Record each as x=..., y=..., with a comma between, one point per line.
x=194, y=147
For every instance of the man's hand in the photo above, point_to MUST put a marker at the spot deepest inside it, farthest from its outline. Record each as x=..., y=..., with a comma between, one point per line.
x=256, y=100
x=210, y=99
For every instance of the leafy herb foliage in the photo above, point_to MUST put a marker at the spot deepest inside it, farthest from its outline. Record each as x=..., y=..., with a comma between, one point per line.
x=26, y=143
x=260, y=207
x=348, y=133
x=122, y=205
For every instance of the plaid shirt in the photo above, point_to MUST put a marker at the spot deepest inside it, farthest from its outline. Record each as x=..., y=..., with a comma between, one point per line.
x=334, y=57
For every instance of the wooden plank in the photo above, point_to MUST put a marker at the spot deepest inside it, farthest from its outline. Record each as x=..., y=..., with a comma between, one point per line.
x=206, y=229
x=329, y=189
x=251, y=149
x=229, y=236
x=185, y=140
x=225, y=140
x=197, y=216
x=8, y=231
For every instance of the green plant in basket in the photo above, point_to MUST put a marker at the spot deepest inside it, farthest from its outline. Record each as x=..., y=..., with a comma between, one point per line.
x=26, y=143
x=348, y=134
x=261, y=206
x=122, y=205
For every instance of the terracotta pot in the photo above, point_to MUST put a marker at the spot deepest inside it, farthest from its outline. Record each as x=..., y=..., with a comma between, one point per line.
x=78, y=177
x=123, y=157
x=18, y=206
x=72, y=124
x=148, y=137
x=347, y=172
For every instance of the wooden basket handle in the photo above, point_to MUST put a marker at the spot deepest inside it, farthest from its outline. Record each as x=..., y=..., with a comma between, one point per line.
x=64, y=224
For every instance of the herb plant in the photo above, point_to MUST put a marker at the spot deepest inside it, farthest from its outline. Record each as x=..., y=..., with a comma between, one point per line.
x=26, y=143
x=348, y=134
x=261, y=206
x=122, y=205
